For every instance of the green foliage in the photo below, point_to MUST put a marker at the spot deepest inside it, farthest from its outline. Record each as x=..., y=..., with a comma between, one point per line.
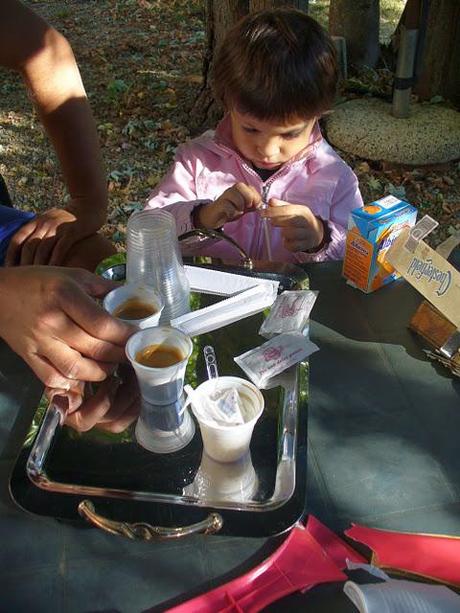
x=390, y=11
x=375, y=185
x=118, y=237
x=399, y=191
x=116, y=88
x=36, y=421
x=63, y=13
x=370, y=82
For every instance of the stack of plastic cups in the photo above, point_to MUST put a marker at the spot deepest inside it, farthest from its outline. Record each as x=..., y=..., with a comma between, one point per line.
x=154, y=259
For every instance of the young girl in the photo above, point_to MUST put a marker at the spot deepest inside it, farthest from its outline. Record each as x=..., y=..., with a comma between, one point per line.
x=266, y=165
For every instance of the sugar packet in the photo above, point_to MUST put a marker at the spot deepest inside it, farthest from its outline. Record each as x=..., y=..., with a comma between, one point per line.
x=225, y=408
x=289, y=313
x=274, y=356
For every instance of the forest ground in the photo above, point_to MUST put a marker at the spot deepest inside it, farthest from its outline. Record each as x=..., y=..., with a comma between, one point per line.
x=141, y=63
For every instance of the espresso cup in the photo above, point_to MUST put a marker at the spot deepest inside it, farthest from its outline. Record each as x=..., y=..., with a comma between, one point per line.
x=163, y=382
x=128, y=301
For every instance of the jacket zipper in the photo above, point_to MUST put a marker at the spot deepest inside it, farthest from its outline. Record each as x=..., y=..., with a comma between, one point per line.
x=258, y=240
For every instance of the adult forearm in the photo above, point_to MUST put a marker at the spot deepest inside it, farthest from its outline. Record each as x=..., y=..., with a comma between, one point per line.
x=55, y=85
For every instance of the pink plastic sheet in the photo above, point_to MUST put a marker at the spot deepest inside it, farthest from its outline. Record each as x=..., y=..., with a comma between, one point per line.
x=426, y=555
x=334, y=546
x=309, y=556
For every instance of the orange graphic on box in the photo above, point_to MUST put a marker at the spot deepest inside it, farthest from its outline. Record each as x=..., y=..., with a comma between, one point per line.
x=372, y=209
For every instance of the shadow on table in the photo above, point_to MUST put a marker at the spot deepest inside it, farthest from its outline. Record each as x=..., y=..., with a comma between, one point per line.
x=383, y=424
x=382, y=316
x=261, y=554
x=383, y=449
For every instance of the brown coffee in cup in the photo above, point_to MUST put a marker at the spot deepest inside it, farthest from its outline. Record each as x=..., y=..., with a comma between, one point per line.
x=159, y=356
x=134, y=308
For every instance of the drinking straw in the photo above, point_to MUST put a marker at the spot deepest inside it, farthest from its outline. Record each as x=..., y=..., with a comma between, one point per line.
x=265, y=224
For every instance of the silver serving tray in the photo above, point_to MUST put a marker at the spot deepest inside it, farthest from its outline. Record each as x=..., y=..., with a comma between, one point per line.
x=115, y=469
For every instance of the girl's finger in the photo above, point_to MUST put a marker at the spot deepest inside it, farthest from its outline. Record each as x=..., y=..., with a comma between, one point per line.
x=290, y=215
x=235, y=196
x=284, y=219
x=249, y=196
x=293, y=233
x=275, y=203
x=230, y=211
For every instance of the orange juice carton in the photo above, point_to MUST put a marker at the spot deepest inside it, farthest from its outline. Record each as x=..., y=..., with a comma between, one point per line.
x=372, y=229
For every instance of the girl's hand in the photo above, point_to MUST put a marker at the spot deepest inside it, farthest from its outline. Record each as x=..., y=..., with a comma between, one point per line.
x=300, y=228
x=233, y=203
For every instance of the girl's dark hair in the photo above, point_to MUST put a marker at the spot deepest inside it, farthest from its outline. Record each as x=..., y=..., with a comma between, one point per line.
x=276, y=65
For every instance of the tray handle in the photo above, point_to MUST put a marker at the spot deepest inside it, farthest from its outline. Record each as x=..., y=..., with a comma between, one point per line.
x=218, y=234
x=143, y=531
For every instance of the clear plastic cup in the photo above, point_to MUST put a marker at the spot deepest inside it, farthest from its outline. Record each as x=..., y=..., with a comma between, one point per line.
x=166, y=417
x=153, y=258
x=228, y=443
x=160, y=385
x=164, y=428
x=133, y=291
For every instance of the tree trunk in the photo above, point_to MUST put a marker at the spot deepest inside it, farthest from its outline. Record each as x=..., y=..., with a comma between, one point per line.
x=220, y=15
x=358, y=22
x=440, y=72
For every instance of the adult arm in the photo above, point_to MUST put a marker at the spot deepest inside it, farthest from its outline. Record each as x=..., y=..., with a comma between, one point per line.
x=47, y=65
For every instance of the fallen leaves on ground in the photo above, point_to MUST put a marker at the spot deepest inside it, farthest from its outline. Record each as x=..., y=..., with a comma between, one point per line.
x=141, y=62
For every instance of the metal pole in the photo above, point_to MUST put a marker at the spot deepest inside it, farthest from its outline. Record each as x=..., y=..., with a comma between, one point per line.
x=404, y=72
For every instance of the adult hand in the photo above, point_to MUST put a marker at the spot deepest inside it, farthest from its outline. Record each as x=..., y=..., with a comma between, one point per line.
x=233, y=203
x=50, y=319
x=114, y=406
x=47, y=238
x=300, y=228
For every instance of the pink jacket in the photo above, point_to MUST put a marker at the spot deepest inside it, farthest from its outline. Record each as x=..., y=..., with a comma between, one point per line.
x=206, y=166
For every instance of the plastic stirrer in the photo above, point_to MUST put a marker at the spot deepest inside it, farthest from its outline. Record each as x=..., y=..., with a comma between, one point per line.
x=265, y=224
x=211, y=362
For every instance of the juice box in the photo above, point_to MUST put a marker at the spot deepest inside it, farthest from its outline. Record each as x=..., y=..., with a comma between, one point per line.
x=372, y=229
